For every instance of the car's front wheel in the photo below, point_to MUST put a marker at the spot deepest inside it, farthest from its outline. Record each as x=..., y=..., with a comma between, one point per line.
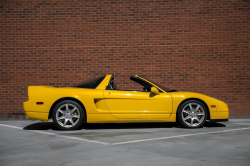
x=192, y=114
x=68, y=115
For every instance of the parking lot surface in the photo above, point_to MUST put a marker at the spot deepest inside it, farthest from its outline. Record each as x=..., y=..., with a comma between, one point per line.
x=26, y=142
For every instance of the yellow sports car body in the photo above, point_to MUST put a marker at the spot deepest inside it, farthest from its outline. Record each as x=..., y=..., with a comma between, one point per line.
x=98, y=101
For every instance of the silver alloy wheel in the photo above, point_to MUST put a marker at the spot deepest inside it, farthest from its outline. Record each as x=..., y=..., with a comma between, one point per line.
x=67, y=115
x=193, y=114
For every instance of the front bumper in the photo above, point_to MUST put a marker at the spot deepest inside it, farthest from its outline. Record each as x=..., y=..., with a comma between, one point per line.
x=222, y=113
x=218, y=120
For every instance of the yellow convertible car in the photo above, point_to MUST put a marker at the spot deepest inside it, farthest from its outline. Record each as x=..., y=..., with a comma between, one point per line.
x=98, y=101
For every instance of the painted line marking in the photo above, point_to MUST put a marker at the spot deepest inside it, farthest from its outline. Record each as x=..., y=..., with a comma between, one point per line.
x=178, y=136
x=127, y=142
x=63, y=136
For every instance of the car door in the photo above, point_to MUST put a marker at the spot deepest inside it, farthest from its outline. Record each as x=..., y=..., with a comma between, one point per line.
x=138, y=105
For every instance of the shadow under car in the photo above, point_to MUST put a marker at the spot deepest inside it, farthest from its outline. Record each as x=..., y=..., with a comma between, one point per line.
x=99, y=126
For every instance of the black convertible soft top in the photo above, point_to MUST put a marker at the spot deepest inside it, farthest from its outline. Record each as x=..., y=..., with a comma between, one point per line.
x=91, y=84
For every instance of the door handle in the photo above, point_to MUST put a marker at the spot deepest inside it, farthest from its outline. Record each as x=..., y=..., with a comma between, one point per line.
x=109, y=93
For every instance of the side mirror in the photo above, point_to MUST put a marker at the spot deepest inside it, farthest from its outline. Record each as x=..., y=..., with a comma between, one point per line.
x=154, y=91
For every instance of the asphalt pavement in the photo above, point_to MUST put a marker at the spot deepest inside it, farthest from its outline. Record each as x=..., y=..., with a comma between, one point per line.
x=27, y=142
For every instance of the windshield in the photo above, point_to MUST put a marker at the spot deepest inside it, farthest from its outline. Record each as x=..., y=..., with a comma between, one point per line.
x=160, y=86
x=92, y=83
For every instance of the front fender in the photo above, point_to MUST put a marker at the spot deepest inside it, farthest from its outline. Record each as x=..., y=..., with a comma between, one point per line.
x=180, y=97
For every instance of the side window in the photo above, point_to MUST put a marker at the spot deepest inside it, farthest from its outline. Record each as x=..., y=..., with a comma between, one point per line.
x=134, y=84
x=128, y=85
x=146, y=87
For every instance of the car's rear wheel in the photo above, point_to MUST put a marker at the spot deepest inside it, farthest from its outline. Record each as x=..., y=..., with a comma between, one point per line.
x=68, y=115
x=192, y=114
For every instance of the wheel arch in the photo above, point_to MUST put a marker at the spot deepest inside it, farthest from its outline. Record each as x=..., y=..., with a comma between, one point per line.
x=67, y=98
x=208, y=117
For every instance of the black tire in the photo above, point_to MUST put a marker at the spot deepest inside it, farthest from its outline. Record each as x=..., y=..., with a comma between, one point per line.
x=189, y=118
x=77, y=117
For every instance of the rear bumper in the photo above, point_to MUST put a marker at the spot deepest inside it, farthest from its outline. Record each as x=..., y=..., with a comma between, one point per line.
x=37, y=115
x=27, y=106
x=31, y=114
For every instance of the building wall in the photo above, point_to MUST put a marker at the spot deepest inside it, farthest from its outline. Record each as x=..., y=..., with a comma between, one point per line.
x=200, y=46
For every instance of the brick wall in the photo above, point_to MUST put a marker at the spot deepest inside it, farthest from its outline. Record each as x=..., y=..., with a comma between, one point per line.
x=200, y=46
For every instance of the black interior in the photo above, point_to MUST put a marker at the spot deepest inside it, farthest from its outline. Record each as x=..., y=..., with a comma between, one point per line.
x=113, y=85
